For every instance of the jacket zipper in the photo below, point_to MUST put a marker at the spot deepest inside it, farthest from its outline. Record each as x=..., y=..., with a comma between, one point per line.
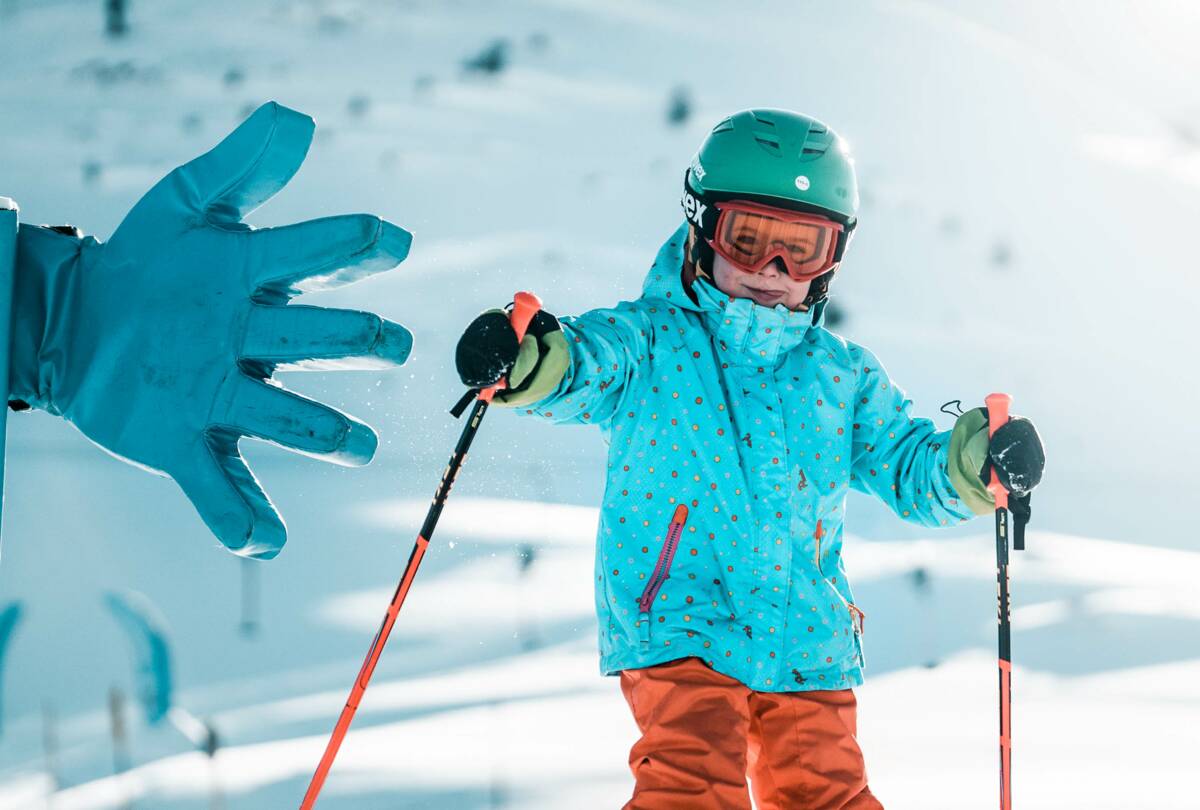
x=818, y=534
x=662, y=572
x=858, y=620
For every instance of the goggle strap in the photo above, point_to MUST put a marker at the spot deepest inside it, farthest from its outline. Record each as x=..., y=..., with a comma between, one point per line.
x=843, y=239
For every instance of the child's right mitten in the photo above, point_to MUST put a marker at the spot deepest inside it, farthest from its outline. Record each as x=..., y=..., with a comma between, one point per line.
x=488, y=351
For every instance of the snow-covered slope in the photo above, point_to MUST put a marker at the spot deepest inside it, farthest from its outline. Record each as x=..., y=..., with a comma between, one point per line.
x=537, y=727
x=1030, y=183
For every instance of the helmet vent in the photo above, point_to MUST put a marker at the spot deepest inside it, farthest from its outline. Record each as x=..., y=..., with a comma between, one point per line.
x=816, y=143
x=769, y=143
x=724, y=126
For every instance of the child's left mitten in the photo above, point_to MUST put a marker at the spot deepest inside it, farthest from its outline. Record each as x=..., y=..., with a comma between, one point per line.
x=1014, y=451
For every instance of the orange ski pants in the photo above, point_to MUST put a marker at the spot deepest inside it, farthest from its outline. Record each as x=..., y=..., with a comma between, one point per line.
x=703, y=733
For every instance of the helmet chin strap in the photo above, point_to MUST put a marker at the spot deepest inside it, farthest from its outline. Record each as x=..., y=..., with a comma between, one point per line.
x=700, y=255
x=818, y=291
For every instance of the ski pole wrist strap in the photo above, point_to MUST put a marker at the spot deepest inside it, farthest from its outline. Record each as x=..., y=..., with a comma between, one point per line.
x=1021, y=511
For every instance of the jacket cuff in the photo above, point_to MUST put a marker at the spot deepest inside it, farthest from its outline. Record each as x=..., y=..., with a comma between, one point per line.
x=968, y=451
x=8, y=260
x=43, y=286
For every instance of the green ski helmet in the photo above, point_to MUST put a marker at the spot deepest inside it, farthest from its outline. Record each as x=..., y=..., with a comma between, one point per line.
x=773, y=157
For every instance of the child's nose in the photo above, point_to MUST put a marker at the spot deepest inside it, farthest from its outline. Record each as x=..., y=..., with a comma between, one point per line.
x=775, y=267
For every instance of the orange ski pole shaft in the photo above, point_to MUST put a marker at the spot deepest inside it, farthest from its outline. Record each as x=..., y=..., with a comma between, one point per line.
x=525, y=306
x=997, y=407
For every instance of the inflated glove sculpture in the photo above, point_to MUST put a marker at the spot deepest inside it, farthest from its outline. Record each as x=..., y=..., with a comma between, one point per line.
x=160, y=344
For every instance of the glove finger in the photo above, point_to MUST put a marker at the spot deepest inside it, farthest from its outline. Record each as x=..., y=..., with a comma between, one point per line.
x=236, y=176
x=304, y=338
x=255, y=408
x=321, y=254
x=230, y=500
x=146, y=629
x=250, y=165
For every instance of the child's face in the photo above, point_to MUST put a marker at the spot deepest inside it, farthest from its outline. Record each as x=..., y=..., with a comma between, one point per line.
x=768, y=287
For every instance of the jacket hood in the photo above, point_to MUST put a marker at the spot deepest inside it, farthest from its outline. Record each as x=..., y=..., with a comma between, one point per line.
x=760, y=332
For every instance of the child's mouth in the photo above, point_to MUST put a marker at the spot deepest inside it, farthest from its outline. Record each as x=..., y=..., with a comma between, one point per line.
x=765, y=296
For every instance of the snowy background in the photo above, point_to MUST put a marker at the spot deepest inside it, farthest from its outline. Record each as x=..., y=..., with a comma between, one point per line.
x=1031, y=185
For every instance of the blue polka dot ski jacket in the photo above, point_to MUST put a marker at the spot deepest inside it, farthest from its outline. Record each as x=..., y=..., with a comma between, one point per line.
x=735, y=431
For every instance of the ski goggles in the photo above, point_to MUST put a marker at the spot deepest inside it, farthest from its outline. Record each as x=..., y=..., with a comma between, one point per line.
x=749, y=236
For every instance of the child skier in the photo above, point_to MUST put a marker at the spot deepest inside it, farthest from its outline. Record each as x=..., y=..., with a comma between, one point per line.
x=736, y=424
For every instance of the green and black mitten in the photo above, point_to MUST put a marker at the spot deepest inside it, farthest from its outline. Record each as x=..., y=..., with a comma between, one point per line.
x=488, y=352
x=1015, y=452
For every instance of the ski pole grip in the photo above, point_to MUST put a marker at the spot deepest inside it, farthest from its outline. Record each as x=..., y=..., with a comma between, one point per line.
x=997, y=408
x=525, y=306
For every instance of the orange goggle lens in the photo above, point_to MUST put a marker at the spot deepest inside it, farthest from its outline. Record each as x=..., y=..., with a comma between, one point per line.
x=749, y=236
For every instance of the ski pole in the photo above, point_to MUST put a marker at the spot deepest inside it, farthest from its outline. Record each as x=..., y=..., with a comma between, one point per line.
x=525, y=306
x=997, y=408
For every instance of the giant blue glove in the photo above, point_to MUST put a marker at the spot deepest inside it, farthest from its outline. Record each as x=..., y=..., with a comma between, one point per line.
x=159, y=344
